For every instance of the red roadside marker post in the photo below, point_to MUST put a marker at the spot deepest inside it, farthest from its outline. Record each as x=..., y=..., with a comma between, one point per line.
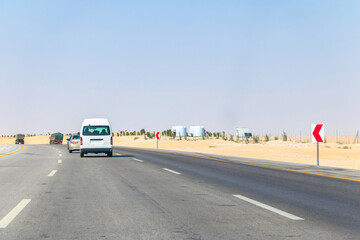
x=317, y=136
x=157, y=139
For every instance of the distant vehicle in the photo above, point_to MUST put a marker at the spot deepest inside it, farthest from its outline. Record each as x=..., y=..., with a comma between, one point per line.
x=96, y=137
x=73, y=143
x=19, y=138
x=56, y=138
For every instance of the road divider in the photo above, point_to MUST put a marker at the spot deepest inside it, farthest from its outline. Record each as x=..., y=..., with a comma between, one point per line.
x=269, y=208
x=52, y=173
x=13, y=213
x=172, y=171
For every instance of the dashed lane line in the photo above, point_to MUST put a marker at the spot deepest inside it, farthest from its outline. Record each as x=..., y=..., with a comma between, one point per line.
x=52, y=173
x=13, y=213
x=138, y=160
x=269, y=208
x=172, y=171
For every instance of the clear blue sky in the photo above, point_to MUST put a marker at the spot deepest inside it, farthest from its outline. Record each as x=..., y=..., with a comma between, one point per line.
x=267, y=65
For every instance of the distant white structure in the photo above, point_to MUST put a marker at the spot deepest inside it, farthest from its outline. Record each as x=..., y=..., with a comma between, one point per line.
x=179, y=130
x=240, y=131
x=197, y=131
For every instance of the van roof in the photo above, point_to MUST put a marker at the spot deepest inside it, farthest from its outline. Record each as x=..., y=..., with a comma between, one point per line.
x=95, y=121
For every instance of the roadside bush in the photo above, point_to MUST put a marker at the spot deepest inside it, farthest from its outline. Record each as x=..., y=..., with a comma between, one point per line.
x=267, y=138
x=276, y=138
x=284, y=136
x=136, y=138
x=256, y=139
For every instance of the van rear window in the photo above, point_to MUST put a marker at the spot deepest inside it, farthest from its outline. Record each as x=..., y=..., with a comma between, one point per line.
x=96, y=130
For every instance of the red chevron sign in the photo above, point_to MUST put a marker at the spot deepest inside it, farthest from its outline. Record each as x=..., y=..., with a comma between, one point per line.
x=158, y=135
x=317, y=131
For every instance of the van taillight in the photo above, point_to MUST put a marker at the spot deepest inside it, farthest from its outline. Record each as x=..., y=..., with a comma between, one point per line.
x=81, y=140
x=111, y=141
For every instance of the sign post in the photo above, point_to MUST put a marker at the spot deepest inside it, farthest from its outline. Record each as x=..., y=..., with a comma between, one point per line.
x=317, y=137
x=157, y=139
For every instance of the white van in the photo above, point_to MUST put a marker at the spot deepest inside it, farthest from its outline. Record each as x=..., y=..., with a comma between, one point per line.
x=96, y=137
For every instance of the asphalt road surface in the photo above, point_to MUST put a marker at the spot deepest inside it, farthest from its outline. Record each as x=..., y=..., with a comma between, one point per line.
x=48, y=193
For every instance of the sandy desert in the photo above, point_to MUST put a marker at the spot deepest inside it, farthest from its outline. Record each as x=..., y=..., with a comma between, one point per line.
x=331, y=154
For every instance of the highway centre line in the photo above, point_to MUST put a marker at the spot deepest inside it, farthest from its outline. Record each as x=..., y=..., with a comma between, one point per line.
x=267, y=207
x=52, y=173
x=59, y=161
x=13, y=213
x=172, y=171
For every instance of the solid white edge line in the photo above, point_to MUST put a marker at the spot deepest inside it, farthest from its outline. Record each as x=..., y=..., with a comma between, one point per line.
x=59, y=161
x=13, y=213
x=138, y=160
x=267, y=207
x=52, y=173
x=172, y=171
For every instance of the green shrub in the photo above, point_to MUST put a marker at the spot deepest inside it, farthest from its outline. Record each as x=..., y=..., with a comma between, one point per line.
x=276, y=138
x=256, y=139
x=231, y=138
x=267, y=138
x=284, y=136
x=136, y=138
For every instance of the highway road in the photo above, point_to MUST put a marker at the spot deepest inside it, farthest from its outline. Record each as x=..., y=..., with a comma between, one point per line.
x=48, y=193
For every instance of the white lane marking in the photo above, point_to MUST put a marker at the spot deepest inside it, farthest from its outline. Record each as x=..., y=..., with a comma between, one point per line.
x=52, y=173
x=59, y=161
x=172, y=171
x=267, y=207
x=138, y=160
x=13, y=213
x=60, y=155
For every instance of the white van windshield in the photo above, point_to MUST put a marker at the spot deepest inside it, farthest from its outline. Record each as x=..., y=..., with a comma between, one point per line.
x=96, y=130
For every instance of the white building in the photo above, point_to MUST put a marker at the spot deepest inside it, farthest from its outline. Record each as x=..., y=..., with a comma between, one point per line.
x=179, y=130
x=196, y=131
x=240, y=131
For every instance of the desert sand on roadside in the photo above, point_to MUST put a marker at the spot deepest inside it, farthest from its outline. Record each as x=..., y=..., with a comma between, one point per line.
x=331, y=154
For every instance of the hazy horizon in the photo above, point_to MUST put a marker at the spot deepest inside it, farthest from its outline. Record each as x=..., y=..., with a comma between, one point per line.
x=266, y=65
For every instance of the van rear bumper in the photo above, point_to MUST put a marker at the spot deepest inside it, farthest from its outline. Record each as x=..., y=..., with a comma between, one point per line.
x=96, y=150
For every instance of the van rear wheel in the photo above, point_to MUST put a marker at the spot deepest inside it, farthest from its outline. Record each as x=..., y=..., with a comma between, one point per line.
x=81, y=154
x=109, y=154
